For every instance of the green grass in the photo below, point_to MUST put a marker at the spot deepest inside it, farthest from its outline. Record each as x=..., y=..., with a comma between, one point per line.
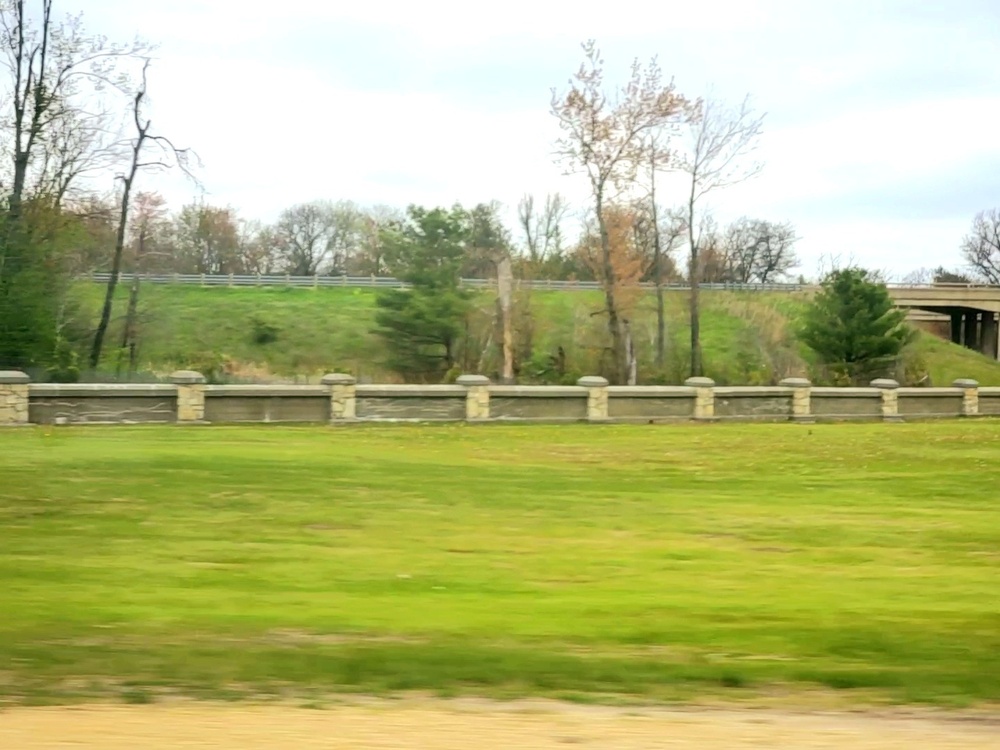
x=331, y=329
x=655, y=563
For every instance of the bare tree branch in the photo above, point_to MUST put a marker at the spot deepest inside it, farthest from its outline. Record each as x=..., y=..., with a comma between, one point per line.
x=981, y=246
x=719, y=141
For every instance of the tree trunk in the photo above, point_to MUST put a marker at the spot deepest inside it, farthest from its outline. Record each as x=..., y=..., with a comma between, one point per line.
x=694, y=277
x=632, y=365
x=661, y=327
x=116, y=263
x=505, y=293
x=618, y=350
x=129, y=334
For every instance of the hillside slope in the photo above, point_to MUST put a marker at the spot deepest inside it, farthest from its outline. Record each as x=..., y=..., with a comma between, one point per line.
x=279, y=333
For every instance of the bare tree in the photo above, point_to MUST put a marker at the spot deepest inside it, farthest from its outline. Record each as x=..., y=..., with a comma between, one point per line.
x=49, y=65
x=605, y=138
x=79, y=142
x=664, y=236
x=50, y=134
x=542, y=228
x=256, y=247
x=149, y=223
x=305, y=233
x=343, y=236
x=759, y=251
x=981, y=246
x=164, y=155
x=720, y=140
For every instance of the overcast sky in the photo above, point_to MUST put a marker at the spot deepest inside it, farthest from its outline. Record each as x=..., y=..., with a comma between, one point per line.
x=881, y=134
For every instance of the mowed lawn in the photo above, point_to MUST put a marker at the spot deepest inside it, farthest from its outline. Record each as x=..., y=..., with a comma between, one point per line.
x=576, y=561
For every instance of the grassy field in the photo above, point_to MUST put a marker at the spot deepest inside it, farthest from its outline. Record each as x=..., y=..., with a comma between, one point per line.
x=574, y=561
x=747, y=338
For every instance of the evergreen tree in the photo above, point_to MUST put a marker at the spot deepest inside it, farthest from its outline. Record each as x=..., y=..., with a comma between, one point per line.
x=422, y=326
x=853, y=327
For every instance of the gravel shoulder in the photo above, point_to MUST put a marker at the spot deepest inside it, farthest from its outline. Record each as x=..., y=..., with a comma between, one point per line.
x=435, y=724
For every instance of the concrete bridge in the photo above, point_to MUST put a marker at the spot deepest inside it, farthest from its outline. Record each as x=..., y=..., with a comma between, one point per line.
x=971, y=309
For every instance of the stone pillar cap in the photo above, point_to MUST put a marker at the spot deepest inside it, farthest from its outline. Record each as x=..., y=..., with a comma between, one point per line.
x=699, y=383
x=795, y=383
x=338, y=378
x=960, y=383
x=186, y=377
x=884, y=383
x=592, y=381
x=470, y=380
x=13, y=376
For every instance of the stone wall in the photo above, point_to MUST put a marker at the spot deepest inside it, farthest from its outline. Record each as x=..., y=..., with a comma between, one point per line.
x=339, y=400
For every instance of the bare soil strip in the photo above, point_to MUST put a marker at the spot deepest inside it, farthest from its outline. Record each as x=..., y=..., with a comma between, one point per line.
x=483, y=725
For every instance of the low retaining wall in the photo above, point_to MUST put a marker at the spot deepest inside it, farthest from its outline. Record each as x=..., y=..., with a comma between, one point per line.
x=339, y=400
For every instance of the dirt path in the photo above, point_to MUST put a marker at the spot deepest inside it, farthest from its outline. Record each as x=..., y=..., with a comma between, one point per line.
x=459, y=725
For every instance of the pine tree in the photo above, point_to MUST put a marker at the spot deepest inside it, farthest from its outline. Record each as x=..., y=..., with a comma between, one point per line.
x=853, y=327
x=422, y=326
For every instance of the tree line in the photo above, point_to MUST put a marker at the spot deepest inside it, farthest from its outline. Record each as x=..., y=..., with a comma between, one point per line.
x=328, y=238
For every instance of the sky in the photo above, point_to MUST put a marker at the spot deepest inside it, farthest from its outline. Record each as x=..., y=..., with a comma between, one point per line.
x=880, y=133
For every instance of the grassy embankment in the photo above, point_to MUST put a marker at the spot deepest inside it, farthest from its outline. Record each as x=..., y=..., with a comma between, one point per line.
x=747, y=338
x=574, y=561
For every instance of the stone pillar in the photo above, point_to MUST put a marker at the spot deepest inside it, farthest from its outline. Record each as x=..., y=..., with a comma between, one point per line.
x=477, y=397
x=597, y=397
x=890, y=399
x=956, y=326
x=704, y=398
x=801, y=401
x=970, y=396
x=971, y=329
x=988, y=336
x=343, y=397
x=13, y=398
x=190, y=396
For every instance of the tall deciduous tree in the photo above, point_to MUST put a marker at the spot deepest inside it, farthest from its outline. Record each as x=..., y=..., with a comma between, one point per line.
x=51, y=135
x=541, y=227
x=422, y=326
x=318, y=237
x=148, y=151
x=853, y=326
x=605, y=138
x=148, y=226
x=720, y=139
x=207, y=239
x=759, y=251
x=981, y=246
x=663, y=232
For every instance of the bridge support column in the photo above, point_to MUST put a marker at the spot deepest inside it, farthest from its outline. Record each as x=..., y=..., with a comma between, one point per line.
x=988, y=338
x=956, y=326
x=971, y=329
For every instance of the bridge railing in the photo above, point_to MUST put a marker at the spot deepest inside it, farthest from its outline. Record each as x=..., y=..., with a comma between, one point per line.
x=242, y=280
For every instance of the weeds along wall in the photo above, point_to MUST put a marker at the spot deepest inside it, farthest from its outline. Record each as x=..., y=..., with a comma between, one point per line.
x=340, y=400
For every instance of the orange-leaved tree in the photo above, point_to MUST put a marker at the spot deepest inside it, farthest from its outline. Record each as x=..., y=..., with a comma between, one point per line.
x=618, y=261
x=605, y=137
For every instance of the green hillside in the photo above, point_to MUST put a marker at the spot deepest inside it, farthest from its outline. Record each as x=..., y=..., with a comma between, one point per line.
x=747, y=337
